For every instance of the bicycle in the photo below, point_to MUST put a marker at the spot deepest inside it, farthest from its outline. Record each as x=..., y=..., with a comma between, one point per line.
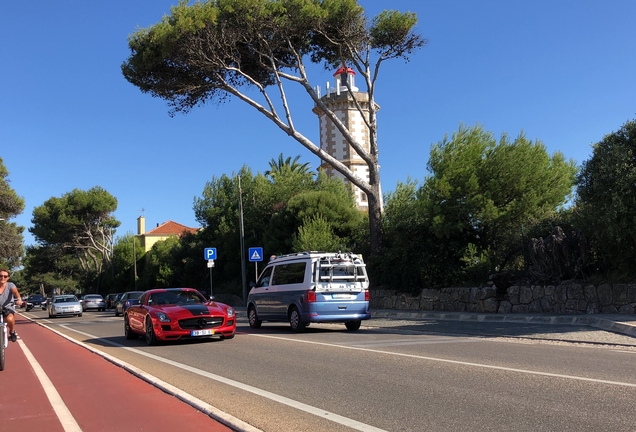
x=4, y=338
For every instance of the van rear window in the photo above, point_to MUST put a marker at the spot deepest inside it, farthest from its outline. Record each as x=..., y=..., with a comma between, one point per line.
x=285, y=274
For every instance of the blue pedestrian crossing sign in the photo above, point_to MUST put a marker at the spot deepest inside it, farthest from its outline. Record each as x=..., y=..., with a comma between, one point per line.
x=256, y=254
x=209, y=253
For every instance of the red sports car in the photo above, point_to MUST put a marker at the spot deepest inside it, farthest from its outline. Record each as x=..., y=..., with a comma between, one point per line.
x=174, y=313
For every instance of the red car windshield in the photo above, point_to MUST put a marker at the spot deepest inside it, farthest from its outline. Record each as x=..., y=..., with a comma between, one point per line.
x=175, y=298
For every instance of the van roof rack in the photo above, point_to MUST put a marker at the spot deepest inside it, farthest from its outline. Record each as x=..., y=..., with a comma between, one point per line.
x=328, y=255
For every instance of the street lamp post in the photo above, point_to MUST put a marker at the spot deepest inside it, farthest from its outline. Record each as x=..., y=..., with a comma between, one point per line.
x=242, y=243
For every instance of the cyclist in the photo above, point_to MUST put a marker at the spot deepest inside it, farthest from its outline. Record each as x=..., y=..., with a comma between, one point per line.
x=8, y=291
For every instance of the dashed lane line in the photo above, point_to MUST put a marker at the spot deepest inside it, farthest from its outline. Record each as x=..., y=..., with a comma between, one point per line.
x=425, y=340
x=353, y=424
x=458, y=362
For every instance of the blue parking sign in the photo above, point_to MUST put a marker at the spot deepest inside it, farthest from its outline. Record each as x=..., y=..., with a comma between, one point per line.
x=255, y=254
x=209, y=253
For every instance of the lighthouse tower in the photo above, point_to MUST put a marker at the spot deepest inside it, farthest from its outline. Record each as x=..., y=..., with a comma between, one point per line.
x=340, y=100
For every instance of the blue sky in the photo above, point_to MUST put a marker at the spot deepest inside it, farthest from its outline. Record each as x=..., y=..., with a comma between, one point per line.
x=560, y=70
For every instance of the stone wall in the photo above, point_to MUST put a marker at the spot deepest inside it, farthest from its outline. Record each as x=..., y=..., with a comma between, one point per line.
x=568, y=297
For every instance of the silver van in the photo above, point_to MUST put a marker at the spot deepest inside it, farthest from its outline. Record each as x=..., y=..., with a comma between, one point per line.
x=311, y=287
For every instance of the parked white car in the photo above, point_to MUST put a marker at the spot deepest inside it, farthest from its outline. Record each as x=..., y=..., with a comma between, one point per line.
x=62, y=305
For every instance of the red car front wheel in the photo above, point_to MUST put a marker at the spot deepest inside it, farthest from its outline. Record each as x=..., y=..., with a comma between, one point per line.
x=127, y=330
x=151, y=337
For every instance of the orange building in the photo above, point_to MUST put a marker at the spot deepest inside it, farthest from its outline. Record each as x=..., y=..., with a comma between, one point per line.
x=161, y=232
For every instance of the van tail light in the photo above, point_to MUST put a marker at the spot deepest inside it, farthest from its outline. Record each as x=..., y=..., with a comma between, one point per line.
x=366, y=295
x=311, y=296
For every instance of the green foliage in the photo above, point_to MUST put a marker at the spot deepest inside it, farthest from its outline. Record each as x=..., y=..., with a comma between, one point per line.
x=161, y=270
x=484, y=191
x=360, y=237
x=124, y=255
x=81, y=224
x=315, y=234
x=468, y=217
x=174, y=262
x=392, y=31
x=75, y=217
x=48, y=268
x=207, y=48
x=413, y=257
x=336, y=210
x=11, y=205
x=605, y=207
x=284, y=167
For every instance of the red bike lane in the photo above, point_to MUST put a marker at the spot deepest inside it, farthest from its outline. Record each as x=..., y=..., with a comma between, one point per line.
x=99, y=395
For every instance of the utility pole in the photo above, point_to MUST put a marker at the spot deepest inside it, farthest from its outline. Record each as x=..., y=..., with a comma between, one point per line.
x=242, y=234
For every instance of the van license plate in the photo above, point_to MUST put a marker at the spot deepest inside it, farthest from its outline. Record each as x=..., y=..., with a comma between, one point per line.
x=342, y=296
x=202, y=332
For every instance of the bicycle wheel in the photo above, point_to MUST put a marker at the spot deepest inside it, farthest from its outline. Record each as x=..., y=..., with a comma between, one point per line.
x=3, y=338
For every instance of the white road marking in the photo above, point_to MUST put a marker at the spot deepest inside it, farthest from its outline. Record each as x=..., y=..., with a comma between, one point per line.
x=425, y=340
x=63, y=414
x=263, y=393
x=624, y=351
x=478, y=365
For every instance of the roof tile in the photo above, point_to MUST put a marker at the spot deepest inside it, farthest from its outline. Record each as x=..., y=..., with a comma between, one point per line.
x=171, y=228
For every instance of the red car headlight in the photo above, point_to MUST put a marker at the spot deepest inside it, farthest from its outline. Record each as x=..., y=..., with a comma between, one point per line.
x=162, y=317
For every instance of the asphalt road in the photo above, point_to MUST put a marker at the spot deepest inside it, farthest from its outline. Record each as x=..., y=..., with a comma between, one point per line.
x=497, y=329
x=391, y=375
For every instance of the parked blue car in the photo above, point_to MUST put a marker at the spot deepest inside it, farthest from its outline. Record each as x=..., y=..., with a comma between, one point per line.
x=125, y=300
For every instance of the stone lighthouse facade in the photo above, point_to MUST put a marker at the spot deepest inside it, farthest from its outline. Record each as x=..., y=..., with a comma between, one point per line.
x=341, y=101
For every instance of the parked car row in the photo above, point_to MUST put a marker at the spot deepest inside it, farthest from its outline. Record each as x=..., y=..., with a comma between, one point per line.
x=159, y=315
x=300, y=288
x=88, y=302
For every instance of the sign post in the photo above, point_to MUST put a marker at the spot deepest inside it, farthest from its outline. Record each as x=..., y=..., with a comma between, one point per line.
x=210, y=255
x=255, y=255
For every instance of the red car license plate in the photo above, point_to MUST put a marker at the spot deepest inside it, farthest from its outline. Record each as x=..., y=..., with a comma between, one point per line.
x=205, y=332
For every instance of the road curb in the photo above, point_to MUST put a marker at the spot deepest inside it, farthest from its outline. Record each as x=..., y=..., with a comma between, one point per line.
x=617, y=327
x=209, y=410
